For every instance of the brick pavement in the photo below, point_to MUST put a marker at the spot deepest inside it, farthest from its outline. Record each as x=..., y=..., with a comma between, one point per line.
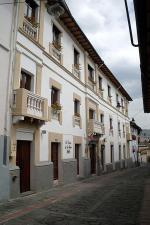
x=112, y=199
x=145, y=211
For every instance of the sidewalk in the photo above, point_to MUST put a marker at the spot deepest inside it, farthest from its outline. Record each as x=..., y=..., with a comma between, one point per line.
x=114, y=198
x=145, y=211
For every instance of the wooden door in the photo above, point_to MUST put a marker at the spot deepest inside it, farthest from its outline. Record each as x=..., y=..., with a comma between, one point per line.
x=23, y=162
x=54, y=159
x=77, y=149
x=93, y=159
x=102, y=156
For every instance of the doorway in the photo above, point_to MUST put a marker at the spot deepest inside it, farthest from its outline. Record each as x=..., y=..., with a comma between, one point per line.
x=77, y=155
x=23, y=162
x=102, y=156
x=54, y=159
x=93, y=158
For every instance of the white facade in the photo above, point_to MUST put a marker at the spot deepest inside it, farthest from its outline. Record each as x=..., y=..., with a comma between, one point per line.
x=35, y=59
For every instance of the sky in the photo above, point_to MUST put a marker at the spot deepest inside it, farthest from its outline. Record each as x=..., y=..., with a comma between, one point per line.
x=104, y=22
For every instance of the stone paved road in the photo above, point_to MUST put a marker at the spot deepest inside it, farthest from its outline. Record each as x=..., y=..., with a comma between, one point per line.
x=113, y=199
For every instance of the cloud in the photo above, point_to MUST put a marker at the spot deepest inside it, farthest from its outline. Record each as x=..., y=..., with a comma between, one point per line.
x=105, y=25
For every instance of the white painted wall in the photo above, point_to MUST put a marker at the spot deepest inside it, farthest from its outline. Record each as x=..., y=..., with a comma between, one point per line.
x=70, y=86
x=6, y=13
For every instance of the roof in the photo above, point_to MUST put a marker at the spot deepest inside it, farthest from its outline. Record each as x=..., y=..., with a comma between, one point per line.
x=142, y=14
x=76, y=31
x=134, y=125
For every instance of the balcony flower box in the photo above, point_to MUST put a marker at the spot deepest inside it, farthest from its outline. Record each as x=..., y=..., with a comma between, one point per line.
x=57, y=45
x=77, y=114
x=32, y=20
x=56, y=107
x=77, y=66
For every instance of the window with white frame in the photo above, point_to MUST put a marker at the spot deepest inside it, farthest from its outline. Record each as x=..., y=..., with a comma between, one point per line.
x=90, y=73
x=119, y=152
x=109, y=91
x=31, y=11
x=77, y=107
x=111, y=153
x=56, y=38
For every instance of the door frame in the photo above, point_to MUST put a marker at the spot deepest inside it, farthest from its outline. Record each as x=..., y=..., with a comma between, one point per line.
x=59, y=157
x=95, y=149
x=28, y=135
x=104, y=160
x=80, y=155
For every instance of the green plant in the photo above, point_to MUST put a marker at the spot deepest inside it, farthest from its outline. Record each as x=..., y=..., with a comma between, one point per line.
x=56, y=106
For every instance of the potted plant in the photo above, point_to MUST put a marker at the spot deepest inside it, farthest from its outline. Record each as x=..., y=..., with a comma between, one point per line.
x=57, y=45
x=56, y=107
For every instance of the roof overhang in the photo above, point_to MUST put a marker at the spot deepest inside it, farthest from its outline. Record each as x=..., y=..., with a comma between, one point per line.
x=69, y=21
x=142, y=13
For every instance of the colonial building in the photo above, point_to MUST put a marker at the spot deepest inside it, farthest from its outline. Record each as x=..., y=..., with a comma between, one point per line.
x=69, y=112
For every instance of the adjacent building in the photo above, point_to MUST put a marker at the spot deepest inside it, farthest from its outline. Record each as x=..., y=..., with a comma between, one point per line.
x=69, y=112
x=135, y=132
x=7, y=45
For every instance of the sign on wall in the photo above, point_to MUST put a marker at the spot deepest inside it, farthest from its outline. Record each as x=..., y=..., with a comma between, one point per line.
x=68, y=146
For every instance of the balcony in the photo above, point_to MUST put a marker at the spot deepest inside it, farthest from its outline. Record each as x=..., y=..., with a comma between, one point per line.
x=129, y=136
x=30, y=29
x=77, y=121
x=109, y=100
x=27, y=104
x=95, y=127
x=55, y=51
x=91, y=83
x=76, y=70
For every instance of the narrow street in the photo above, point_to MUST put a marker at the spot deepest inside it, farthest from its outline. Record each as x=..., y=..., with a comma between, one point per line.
x=111, y=199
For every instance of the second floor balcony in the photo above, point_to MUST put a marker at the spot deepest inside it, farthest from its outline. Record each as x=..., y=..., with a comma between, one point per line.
x=55, y=50
x=95, y=127
x=30, y=28
x=28, y=104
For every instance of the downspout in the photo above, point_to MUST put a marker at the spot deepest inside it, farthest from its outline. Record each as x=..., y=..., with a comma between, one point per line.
x=13, y=38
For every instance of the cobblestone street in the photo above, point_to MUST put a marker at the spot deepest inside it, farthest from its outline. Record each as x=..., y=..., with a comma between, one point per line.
x=111, y=199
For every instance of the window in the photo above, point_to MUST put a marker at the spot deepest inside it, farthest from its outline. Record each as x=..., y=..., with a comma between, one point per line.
x=110, y=122
x=122, y=103
x=111, y=153
x=76, y=107
x=30, y=11
x=119, y=152
x=5, y=151
x=123, y=130
x=54, y=95
x=124, y=151
x=76, y=58
x=109, y=91
x=91, y=114
x=56, y=37
x=90, y=73
x=25, y=81
x=100, y=83
x=102, y=118
x=119, y=130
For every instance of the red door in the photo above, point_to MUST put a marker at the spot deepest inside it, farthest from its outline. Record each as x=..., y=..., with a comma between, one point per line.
x=77, y=147
x=23, y=162
x=93, y=159
x=54, y=159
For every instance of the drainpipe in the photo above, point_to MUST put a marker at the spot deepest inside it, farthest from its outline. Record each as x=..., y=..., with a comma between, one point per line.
x=13, y=38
